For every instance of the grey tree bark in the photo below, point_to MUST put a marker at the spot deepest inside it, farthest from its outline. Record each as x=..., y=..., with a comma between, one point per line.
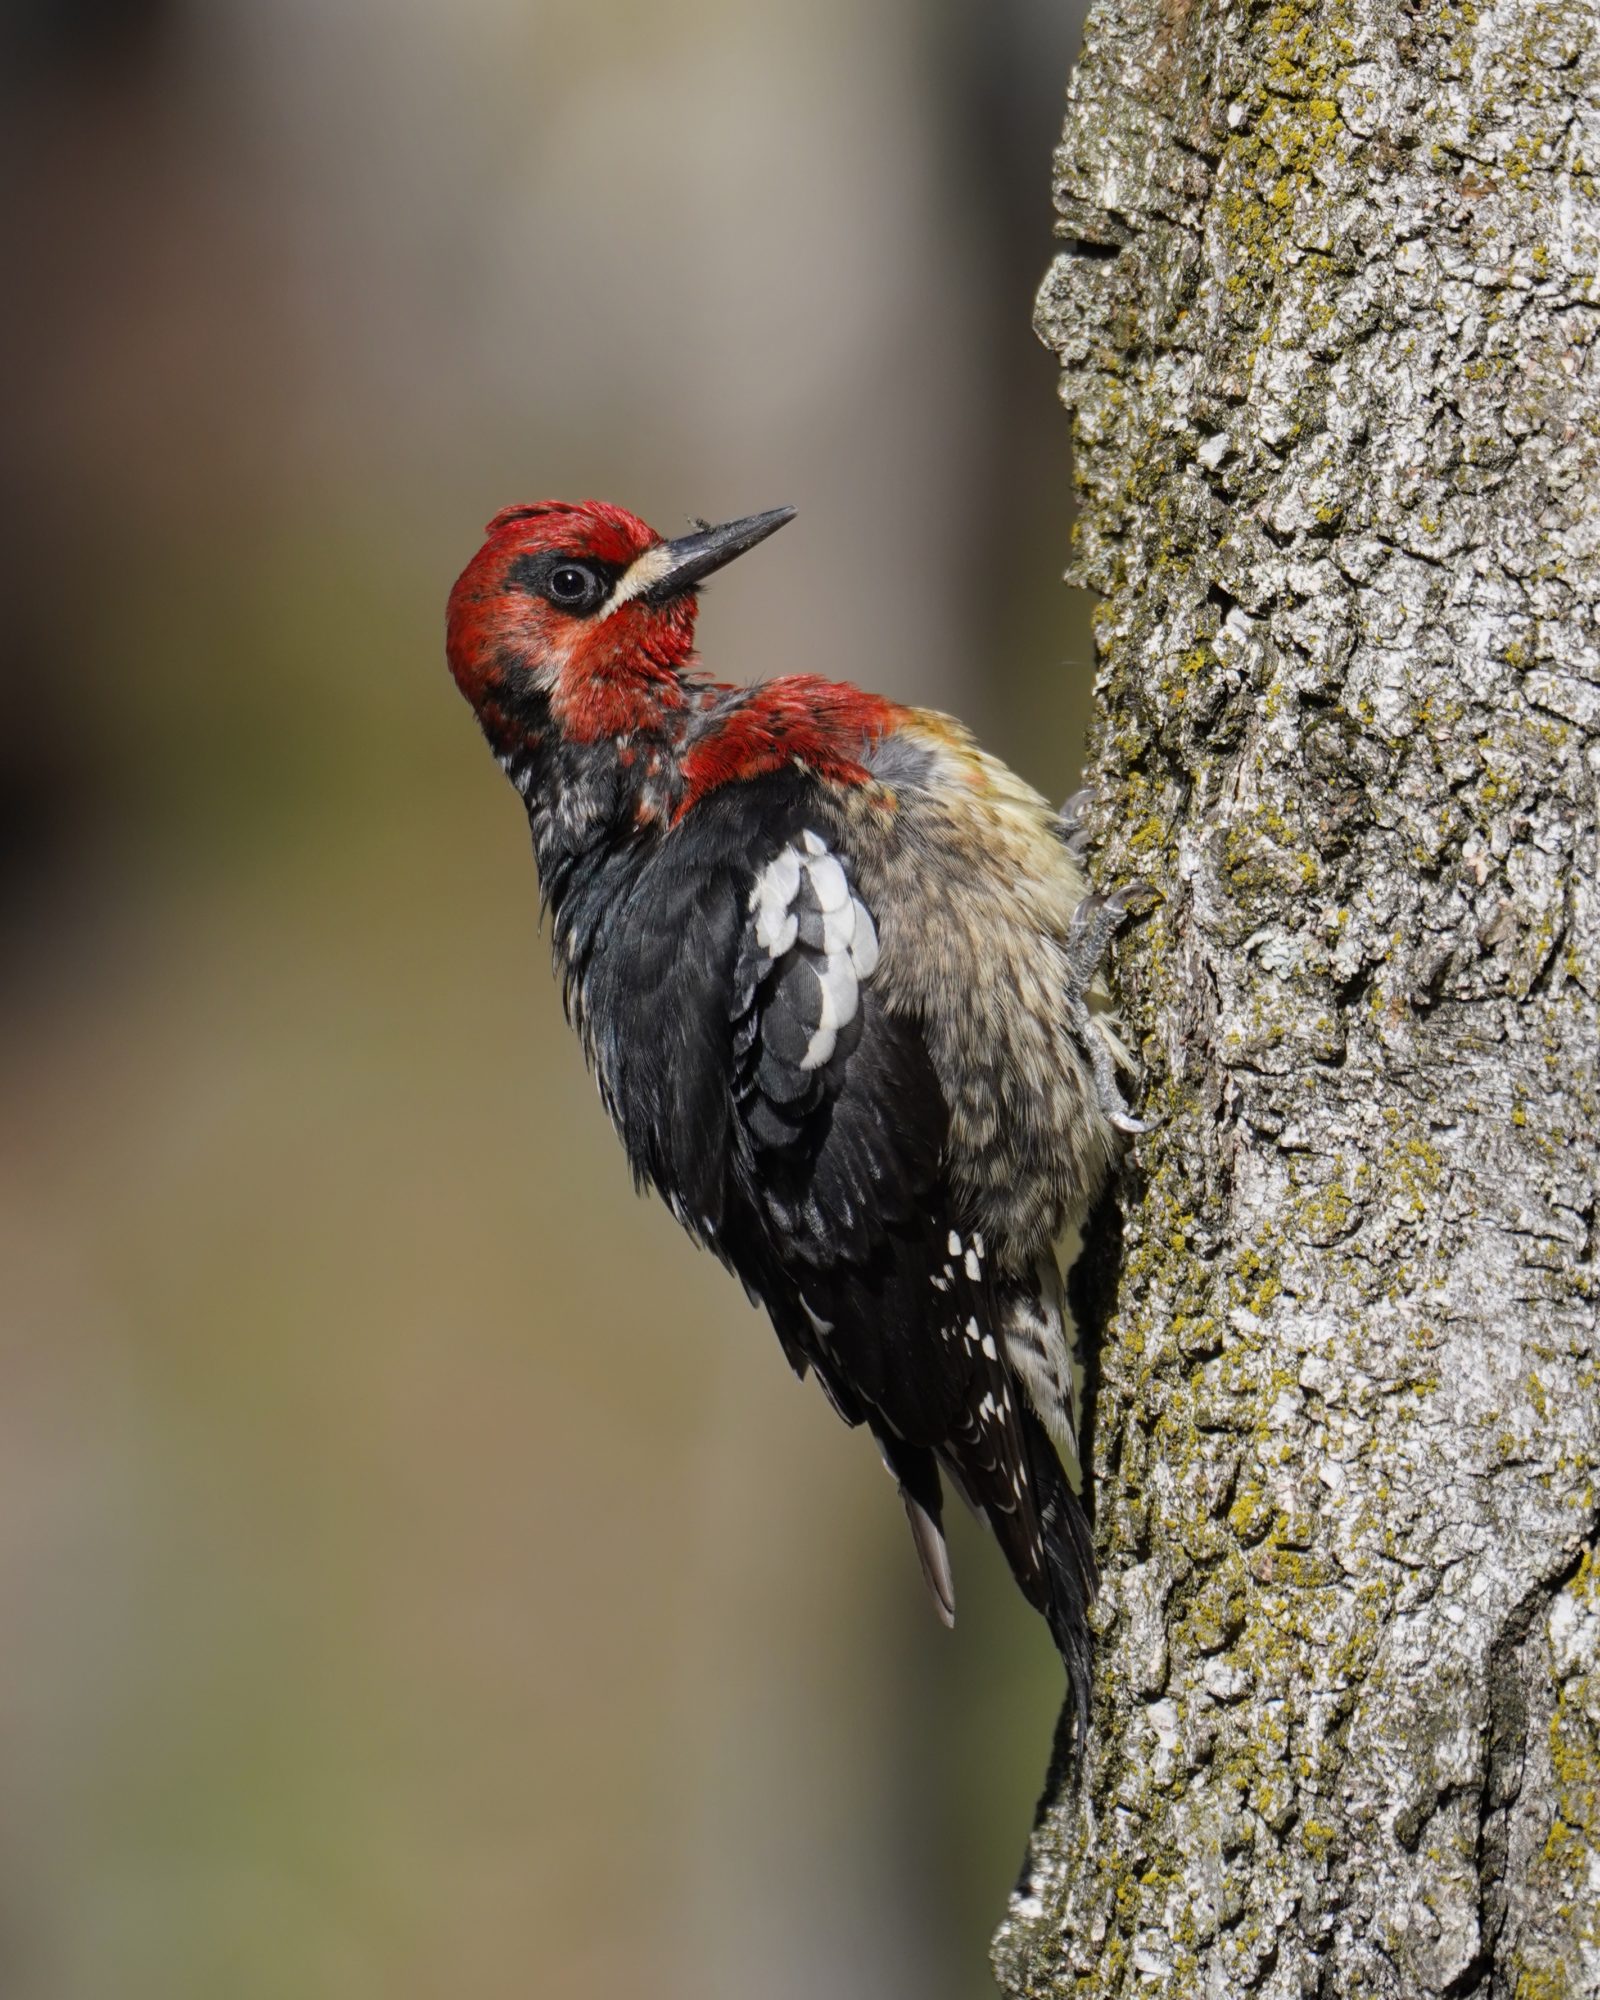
x=1326, y=313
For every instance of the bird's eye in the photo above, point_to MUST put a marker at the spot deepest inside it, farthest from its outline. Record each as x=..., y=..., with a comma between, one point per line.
x=574, y=587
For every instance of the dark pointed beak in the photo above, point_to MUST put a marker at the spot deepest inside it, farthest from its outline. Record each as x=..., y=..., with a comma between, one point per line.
x=696, y=556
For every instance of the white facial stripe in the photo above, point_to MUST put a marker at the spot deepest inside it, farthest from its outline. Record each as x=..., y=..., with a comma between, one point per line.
x=641, y=575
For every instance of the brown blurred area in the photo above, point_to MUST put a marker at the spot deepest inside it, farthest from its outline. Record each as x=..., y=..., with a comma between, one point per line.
x=419, y=1572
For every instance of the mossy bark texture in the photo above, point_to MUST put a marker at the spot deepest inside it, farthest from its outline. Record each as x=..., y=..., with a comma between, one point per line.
x=1327, y=314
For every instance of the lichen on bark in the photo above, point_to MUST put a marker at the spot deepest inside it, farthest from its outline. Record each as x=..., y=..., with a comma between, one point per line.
x=1326, y=313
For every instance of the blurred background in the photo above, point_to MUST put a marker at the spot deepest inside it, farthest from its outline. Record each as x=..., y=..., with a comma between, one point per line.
x=419, y=1572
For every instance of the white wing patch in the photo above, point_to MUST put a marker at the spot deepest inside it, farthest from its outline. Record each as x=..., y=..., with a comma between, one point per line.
x=803, y=899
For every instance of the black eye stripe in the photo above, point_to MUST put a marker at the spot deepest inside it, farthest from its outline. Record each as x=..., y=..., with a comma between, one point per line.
x=538, y=574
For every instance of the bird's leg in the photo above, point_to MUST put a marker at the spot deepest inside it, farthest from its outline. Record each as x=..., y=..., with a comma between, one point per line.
x=1094, y=923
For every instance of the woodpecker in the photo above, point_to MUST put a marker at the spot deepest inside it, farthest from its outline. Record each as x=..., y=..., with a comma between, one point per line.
x=835, y=971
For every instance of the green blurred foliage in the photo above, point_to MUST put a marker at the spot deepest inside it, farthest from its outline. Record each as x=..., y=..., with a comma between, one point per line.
x=420, y=1573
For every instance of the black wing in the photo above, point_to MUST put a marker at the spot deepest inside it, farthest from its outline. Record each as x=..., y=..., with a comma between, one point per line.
x=842, y=1221
x=647, y=933
x=725, y=992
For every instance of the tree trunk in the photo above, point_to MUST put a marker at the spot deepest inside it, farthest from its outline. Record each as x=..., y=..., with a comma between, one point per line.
x=1326, y=314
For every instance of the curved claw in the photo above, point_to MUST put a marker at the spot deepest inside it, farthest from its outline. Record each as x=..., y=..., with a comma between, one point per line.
x=1070, y=820
x=1073, y=808
x=1132, y=899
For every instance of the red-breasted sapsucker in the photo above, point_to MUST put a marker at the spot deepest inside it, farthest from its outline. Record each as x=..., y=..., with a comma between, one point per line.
x=834, y=970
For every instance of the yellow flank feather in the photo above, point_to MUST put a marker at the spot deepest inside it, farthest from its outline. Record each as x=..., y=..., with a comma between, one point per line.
x=976, y=893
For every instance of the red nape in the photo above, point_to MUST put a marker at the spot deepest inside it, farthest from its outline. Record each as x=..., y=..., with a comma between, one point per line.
x=802, y=719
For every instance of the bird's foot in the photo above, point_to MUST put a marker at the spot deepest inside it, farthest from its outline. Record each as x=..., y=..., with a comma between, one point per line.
x=1095, y=921
x=1073, y=822
x=1094, y=924
x=1098, y=1047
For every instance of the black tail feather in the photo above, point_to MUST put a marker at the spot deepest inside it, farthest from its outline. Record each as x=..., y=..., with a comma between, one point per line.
x=1072, y=1572
x=1042, y=1530
x=916, y=1471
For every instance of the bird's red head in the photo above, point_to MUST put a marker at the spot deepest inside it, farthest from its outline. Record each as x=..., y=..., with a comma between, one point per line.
x=585, y=605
